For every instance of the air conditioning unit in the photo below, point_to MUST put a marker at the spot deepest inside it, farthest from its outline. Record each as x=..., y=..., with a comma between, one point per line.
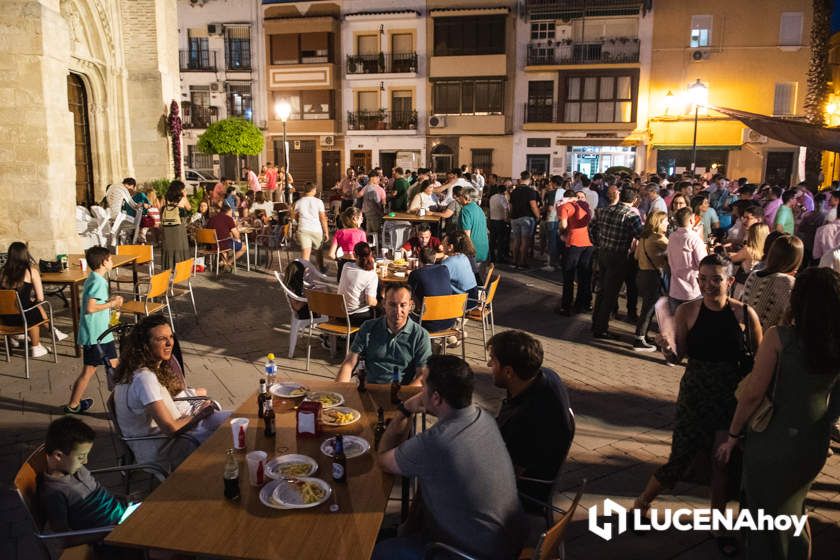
x=328, y=140
x=700, y=55
x=214, y=28
x=750, y=136
x=437, y=121
x=217, y=86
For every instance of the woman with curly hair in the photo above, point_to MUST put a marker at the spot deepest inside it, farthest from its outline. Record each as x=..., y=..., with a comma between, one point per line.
x=143, y=398
x=798, y=363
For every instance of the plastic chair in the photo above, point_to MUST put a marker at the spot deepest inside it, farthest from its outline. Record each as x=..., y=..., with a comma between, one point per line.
x=10, y=304
x=145, y=256
x=484, y=312
x=181, y=276
x=296, y=324
x=314, y=277
x=441, y=308
x=271, y=242
x=332, y=306
x=158, y=287
x=394, y=234
x=208, y=238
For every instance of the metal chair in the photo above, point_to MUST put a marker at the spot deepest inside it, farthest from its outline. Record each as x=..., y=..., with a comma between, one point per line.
x=26, y=486
x=158, y=288
x=208, y=238
x=145, y=256
x=484, y=312
x=296, y=324
x=332, y=306
x=181, y=277
x=10, y=304
x=442, y=308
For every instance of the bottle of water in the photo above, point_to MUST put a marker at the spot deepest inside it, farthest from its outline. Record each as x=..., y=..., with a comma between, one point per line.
x=270, y=370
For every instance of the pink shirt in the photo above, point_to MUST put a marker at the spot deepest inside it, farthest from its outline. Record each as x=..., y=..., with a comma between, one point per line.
x=347, y=239
x=685, y=251
x=271, y=179
x=827, y=239
x=253, y=182
x=770, y=213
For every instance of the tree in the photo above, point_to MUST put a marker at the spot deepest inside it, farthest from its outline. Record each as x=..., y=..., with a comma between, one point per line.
x=817, y=84
x=234, y=136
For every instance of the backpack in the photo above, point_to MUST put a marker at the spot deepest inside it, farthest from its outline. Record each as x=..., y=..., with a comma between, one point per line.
x=170, y=216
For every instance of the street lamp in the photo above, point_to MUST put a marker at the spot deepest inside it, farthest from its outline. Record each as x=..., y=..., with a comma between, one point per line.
x=283, y=110
x=698, y=94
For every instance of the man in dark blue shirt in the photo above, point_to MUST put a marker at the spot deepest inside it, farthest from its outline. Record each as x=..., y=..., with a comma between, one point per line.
x=430, y=280
x=536, y=419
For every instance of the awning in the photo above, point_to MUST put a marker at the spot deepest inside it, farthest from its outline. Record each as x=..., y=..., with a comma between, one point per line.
x=797, y=133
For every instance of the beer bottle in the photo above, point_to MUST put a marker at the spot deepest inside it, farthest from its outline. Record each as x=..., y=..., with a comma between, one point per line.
x=261, y=398
x=395, y=386
x=362, y=374
x=339, y=465
x=380, y=427
x=231, y=477
x=269, y=417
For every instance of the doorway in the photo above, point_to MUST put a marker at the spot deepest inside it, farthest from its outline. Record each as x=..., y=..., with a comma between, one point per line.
x=443, y=159
x=387, y=161
x=537, y=164
x=77, y=101
x=330, y=168
x=778, y=168
x=361, y=160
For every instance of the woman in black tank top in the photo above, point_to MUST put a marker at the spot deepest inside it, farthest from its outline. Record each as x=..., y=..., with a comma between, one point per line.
x=710, y=332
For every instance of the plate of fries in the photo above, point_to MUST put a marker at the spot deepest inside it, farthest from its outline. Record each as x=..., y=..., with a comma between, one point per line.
x=299, y=493
x=354, y=446
x=288, y=390
x=340, y=416
x=328, y=399
x=290, y=465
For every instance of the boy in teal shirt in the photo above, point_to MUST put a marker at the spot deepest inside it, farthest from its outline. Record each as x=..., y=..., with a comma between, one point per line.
x=93, y=321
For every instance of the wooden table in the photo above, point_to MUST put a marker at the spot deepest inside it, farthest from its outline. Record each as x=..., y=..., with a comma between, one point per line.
x=74, y=277
x=187, y=513
x=408, y=217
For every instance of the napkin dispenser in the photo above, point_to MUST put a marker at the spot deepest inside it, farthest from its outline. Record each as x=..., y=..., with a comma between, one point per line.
x=308, y=419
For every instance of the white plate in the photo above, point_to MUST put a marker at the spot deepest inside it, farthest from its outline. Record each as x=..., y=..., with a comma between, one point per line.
x=284, y=390
x=281, y=495
x=272, y=468
x=354, y=446
x=344, y=409
x=266, y=492
x=313, y=396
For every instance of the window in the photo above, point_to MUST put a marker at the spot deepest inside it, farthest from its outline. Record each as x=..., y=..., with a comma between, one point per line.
x=238, y=48
x=790, y=29
x=538, y=143
x=199, y=50
x=308, y=105
x=784, y=99
x=468, y=97
x=542, y=30
x=239, y=101
x=301, y=48
x=606, y=98
x=701, y=31
x=482, y=159
x=457, y=36
x=540, y=106
x=199, y=161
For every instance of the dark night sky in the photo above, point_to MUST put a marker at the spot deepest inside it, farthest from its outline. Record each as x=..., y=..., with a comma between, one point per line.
x=835, y=17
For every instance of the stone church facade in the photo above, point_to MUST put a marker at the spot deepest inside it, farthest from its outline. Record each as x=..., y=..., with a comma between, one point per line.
x=85, y=87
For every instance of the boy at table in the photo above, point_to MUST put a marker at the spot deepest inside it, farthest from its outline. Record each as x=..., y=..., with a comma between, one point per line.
x=467, y=483
x=392, y=341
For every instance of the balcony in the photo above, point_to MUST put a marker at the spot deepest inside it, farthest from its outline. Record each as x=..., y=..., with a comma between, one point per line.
x=197, y=61
x=540, y=113
x=614, y=50
x=200, y=116
x=381, y=120
x=382, y=63
x=238, y=61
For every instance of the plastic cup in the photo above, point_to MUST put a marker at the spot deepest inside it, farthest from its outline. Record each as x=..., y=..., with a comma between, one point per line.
x=236, y=426
x=256, y=467
x=83, y=264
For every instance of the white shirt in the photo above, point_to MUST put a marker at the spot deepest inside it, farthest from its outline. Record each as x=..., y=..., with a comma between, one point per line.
x=551, y=211
x=499, y=207
x=267, y=207
x=591, y=198
x=422, y=200
x=658, y=205
x=831, y=259
x=356, y=282
x=309, y=209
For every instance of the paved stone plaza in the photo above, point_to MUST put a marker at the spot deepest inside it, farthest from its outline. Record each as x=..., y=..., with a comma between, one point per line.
x=623, y=404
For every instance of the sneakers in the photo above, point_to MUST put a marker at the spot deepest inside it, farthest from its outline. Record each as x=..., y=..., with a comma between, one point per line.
x=84, y=405
x=59, y=335
x=548, y=268
x=39, y=350
x=606, y=335
x=641, y=345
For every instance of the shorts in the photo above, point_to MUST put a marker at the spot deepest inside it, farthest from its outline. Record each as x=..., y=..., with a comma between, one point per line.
x=237, y=245
x=522, y=227
x=310, y=239
x=91, y=356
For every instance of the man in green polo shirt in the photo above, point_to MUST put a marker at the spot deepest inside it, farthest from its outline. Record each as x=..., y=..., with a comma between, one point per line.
x=392, y=341
x=399, y=200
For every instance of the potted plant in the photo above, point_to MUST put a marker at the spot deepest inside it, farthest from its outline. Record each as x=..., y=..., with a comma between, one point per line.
x=412, y=120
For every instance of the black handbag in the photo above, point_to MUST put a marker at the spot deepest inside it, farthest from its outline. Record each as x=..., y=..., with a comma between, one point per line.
x=745, y=364
x=49, y=266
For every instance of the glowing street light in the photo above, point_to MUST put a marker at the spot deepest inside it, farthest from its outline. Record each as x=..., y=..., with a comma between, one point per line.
x=283, y=110
x=698, y=94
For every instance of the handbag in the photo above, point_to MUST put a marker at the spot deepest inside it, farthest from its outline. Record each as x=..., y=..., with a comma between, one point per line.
x=661, y=275
x=50, y=266
x=745, y=364
x=760, y=418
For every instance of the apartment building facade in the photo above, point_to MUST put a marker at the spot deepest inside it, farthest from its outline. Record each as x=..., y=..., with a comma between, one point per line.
x=220, y=65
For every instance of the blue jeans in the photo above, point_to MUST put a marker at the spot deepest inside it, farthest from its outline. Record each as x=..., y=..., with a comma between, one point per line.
x=551, y=242
x=522, y=227
x=400, y=548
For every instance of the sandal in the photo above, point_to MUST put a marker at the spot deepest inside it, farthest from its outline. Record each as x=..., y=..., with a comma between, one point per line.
x=727, y=544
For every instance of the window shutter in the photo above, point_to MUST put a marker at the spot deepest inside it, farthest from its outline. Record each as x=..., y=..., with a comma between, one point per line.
x=784, y=99
x=790, y=29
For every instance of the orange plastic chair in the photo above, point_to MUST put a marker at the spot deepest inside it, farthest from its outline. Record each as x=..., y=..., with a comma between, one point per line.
x=182, y=282
x=10, y=304
x=333, y=306
x=158, y=288
x=208, y=244
x=442, y=308
x=484, y=311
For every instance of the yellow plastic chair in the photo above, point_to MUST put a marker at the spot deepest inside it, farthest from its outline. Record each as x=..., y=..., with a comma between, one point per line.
x=10, y=304
x=207, y=244
x=182, y=282
x=442, y=308
x=484, y=311
x=158, y=288
x=333, y=306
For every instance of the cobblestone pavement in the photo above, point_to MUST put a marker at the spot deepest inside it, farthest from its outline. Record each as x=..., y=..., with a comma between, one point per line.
x=623, y=402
